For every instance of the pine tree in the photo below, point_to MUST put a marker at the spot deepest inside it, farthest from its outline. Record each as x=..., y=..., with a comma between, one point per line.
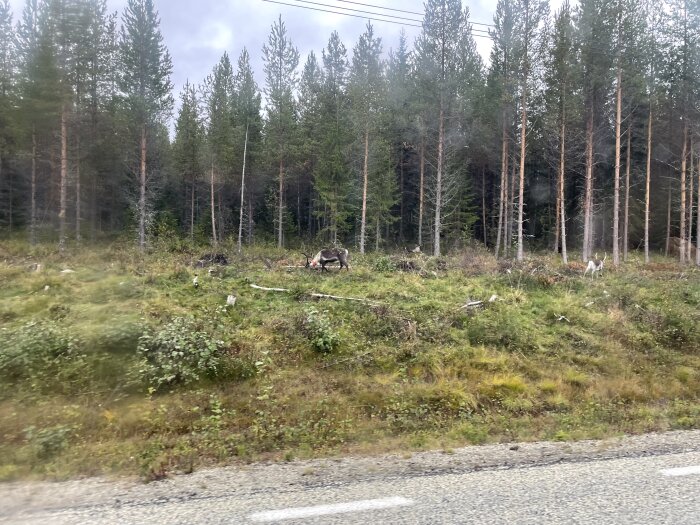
x=280, y=59
x=144, y=81
x=220, y=103
x=367, y=93
x=8, y=64
x=437, y=50
x=246, y=115
x=188, y=147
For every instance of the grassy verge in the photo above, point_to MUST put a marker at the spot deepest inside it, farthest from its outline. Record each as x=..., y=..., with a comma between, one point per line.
x=122, y=366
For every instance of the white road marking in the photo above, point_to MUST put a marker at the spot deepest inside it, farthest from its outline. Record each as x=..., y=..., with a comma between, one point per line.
x=337, y=508
x=681, y=471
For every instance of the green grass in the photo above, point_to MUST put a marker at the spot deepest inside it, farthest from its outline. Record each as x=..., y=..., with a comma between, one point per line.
x=555, y=356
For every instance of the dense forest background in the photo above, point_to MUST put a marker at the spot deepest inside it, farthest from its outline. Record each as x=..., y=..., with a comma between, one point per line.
x=581, y=132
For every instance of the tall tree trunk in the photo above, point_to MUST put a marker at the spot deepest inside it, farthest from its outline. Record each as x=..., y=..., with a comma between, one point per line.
x=562, y=201
x=483, y=202
x=668, y=222
x=64, y=181
x=438, y=181
x=280, y=205
x=142, y=196
x=647, y=191
x=402, y=189
x=684, y=160
x=521, y=178
x=363, y=221
x=690, y=202
x=628, y=167
x=503, y=191
x=421, y=192
x=240, y=215
x=588, y=193
x=192, y=200
x=377, y=237
x=212, y=200
x=32, y=213
x=616, y=193
x=697, y=219
x=78, y=193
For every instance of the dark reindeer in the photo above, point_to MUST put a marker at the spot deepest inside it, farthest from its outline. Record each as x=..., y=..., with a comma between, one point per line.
x=328, y=256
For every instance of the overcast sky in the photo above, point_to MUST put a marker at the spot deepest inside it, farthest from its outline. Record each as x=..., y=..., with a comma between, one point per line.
x=198, y=32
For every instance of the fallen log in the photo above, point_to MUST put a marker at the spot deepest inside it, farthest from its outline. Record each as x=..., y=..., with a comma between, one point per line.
x=316, y=295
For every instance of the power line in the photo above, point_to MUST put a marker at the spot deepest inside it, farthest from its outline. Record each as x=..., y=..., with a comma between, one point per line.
x=403, y=18
x=482, y=33
x=380, y=7
x=340, y=13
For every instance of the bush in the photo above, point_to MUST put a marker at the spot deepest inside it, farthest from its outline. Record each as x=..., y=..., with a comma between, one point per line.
x=323, y=337
x=42, y=354
x=179, y=353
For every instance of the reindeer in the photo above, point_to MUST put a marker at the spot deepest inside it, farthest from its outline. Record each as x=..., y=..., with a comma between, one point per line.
x=596, y=266
x=328, y=256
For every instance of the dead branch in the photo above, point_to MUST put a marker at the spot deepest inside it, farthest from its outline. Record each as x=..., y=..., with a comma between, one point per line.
x=318, y=295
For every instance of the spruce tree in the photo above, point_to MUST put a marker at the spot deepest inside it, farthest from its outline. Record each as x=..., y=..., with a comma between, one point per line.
x=144, y=80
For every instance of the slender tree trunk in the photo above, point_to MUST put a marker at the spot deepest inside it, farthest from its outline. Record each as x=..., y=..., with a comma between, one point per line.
x=483, y=203
x=32, y=216
x=280, y=208
x=557, y=214
x=503, y=192
x=697, y=219
x=647, y=191
x=421, y=193
x=377, y=237
x=628, y=167
x=142, y=196
x=250, y=219
x=588, y=193
x=78, y=194
x=521, y=178
x=668, y=221
x=616, y=193
x=402, y=188
x=64, y=181
x=212, y=200
x=192, y=200
x=684, y=160
x=363, y=221
x=562, y=201
x=438, y=181
x=690, y=203
x=240, y=216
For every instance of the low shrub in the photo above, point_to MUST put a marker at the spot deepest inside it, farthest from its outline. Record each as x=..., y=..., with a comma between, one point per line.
x=323, y=337
x=178, y=353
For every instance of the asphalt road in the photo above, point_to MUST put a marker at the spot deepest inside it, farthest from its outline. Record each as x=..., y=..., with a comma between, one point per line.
x=651, y=487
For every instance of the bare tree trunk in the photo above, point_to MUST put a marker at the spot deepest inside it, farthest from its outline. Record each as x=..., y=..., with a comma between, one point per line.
x=616, y=193
x=647, y=191
x=32, y=216
x=697, y=219
x=690, y=202
x=684, y=161
x=363, y=220
x=142, y=196
x=214, y=238
x=508, y=241
x=377, y=237
x=668, y=221
x=483, y=202
x=240, y=215
x=78, y=237
x=250, y=219
x=64, y=181
x=438, y=181
x=402, y=188
x=421, y=193
x=521, y=178
x=280, y=205
x=503, y=191
x=562, y=210
x=628, y=167
x=588, y=192
x=192, y=197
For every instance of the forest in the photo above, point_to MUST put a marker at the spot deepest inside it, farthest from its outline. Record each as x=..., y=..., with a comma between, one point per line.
x=580, y=133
